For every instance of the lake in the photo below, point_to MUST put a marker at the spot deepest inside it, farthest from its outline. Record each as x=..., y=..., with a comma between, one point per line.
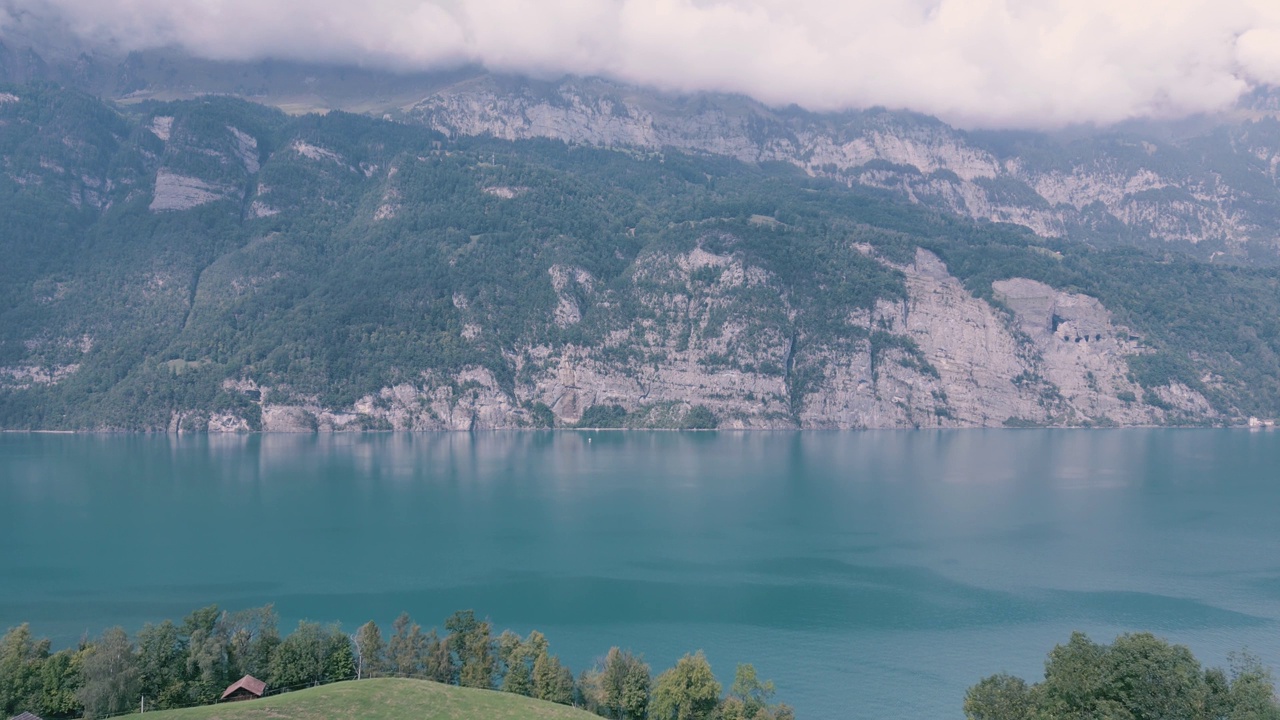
x=869, y=574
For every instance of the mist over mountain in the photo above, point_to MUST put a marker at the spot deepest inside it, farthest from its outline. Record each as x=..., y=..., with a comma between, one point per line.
x=973, y=63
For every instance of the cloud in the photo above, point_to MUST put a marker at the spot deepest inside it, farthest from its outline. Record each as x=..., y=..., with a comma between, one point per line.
x=993, y=63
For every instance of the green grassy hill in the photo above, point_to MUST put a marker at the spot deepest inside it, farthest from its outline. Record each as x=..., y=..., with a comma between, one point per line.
x=383, y=699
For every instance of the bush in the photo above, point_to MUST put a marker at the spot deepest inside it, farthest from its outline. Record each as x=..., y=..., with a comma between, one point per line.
x=603, y=417
x=699, y=417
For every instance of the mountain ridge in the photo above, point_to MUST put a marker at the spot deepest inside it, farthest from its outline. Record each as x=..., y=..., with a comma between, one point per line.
x=217, y=265
x=1212, y=195
x=1207, y=186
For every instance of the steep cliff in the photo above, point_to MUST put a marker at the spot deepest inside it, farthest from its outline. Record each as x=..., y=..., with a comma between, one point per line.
x=949, y=360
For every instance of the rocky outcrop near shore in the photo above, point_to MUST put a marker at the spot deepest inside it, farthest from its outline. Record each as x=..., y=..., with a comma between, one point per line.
x=1043, y=358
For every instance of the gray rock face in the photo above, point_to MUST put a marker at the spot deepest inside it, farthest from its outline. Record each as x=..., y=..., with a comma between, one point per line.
x=1081, y=354
x=1053, y=359
x=1213, y=191
x=21, y=377
x=180, y=192
x=246, y=149
x=200, y=168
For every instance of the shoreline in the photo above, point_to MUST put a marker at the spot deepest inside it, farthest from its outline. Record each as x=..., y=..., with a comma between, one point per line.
x=300, y=433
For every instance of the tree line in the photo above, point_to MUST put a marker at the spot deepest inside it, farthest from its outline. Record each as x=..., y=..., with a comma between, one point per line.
x=174, y=665
x=1137, y=677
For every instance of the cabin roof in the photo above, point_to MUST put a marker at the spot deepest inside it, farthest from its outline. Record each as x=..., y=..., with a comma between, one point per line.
x=25, y=716
x=250, y=683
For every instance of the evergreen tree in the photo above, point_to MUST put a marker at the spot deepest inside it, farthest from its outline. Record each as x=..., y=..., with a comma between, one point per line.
x=438, y=660
x=471, y=642
x=339, y=657
x=406, y=649
x=370, y=651
x=552, y=681
x=516, y=658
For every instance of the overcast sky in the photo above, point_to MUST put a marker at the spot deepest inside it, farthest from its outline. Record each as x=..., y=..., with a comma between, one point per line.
x=990, y=63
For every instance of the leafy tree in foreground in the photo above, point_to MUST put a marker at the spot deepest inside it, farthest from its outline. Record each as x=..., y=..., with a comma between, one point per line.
x=749, y=698
x=625, y=682
x=1252, y=692
x=161, y=666
x=588, y=692
x=999, y=697
x=252, y=636
x=1149, y=678
x=518, y=658
x=110, y=673
x=312, y=655
x=21, y=661
x=208, y=663
x=60, y=679
x=1138, y=677
x=688, y=691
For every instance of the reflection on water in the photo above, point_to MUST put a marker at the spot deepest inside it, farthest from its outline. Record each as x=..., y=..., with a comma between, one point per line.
x=853, y=568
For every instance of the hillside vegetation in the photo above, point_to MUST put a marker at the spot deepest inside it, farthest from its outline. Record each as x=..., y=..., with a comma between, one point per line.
x=384, y=699
x=192, y=664
x=217, y=265
x=1137, y=677
x=1205, y=186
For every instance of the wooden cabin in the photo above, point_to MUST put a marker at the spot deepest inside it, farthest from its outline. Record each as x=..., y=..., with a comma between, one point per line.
x=246, y=688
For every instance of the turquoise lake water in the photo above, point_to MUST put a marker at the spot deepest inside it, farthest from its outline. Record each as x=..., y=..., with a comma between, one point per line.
x=870, y=574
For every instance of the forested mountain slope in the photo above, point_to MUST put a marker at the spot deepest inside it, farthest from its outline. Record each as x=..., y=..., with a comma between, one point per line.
x=1205, y=186
x=214, y=264
x=1208, y=188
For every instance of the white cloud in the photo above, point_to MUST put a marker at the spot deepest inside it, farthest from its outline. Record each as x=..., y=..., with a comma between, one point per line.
x=972, y=62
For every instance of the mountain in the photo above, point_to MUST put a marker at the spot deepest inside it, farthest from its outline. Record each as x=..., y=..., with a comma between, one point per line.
x=214, y=264
x=1211, y=193
x=1204, y=186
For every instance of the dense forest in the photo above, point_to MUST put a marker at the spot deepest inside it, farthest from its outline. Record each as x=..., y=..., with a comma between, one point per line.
x=175, y=665
x=1137, y=677
x=169, y=264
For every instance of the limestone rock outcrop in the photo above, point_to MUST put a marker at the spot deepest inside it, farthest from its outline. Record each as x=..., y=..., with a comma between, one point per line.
x=943, y=358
